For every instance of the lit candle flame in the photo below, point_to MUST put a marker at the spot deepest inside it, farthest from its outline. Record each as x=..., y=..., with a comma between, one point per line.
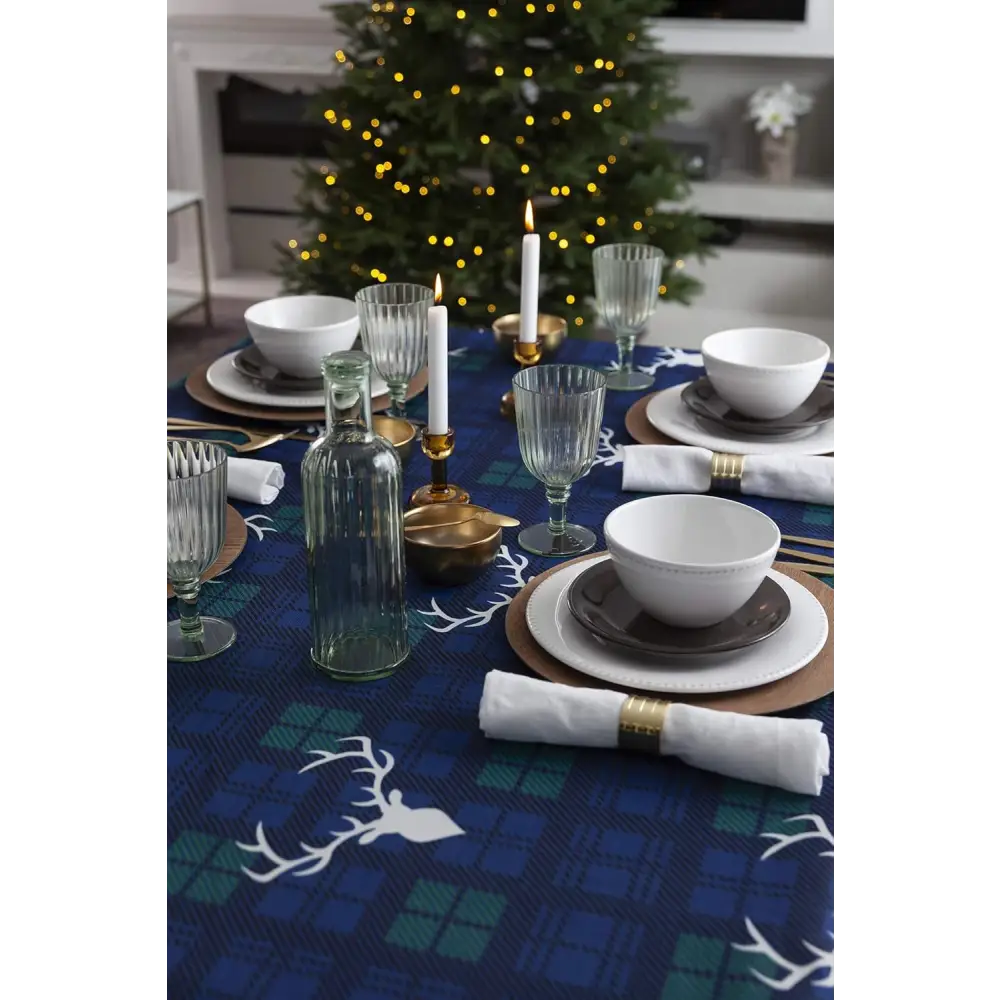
x=438, y=292
x=529, y=217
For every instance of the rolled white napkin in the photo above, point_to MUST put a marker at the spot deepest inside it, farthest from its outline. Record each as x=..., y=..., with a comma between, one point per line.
x=668, y=468
x=253, y=480
x=793, y=754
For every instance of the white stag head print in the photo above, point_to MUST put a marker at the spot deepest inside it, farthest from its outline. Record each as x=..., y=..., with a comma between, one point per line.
x=419, y=826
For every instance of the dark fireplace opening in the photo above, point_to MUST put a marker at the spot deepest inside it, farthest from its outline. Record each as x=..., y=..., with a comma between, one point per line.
x=736, y=10
x=262, y=121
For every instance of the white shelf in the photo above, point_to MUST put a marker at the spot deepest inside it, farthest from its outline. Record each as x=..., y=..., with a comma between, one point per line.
x=176, y=200
x=179, y=303
x=738, y=195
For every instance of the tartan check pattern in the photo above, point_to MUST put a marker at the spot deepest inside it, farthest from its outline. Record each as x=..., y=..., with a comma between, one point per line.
x=579, y=873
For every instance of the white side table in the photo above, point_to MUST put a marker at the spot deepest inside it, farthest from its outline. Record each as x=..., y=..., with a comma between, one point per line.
x=180, y=303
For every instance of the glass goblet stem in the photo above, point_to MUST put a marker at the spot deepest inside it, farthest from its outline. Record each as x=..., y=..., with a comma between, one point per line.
x=626, y=349
x=558, y=498
x=397, y=399
x=187, y=604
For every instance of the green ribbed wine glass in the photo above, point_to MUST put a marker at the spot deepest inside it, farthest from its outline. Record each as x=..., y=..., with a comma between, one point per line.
x=196, y=531
x=627, y=282
x=559, y=411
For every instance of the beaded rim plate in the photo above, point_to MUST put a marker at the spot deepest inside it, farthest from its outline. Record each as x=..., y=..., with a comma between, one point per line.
x=701, y=398
x=599, y=602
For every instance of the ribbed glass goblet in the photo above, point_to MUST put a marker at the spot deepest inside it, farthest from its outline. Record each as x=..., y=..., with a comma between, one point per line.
x=196, y=531
x=394, y=334
x=627, y=281
x=559, y=409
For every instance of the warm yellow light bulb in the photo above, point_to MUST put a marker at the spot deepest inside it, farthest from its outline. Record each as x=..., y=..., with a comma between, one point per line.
x=423, y=190
x=498, y=70
x=491, y=190
x=432, y=240
x=551, y=8
x=525, y=168
x=606, y=102
x=448, y=241
x=460, y=14
x=598, y=108
x=609, y=65
x=529, y=120
x=374, y=272
x=553, y=190
x=293, y=244
x=662, y=289
x=346, y=124
x=456, y=89
x=330, y=179
x=578, y=321
x=598, y=63
x=519, y=140
x=564, y=190
x=462, y=300
x=330, y=114
x=491, y=308
x=417, y=94
x=492, y=12
x=601, y=168
x=553, y=234
x=570, y=299
x=591, y=187
x=398, y=77
x=578, y=68
x=477, y=190
x=322, y=237
x=367, y=216
x=530, y=8
x=589, y=238
x=340, y=55
x=478, y=251
x=612, y=158
x=528, y=71
x=382, y=276
x=359, y=210
x=366, y=134
x=637, y=225
x=566, y=116
x=407, y=19
x=410, y=11
x=396, y=186
x=460, y=263
x=563, y=243
x=304, y=255
x=484, y=139
x=577, y=5
x=380, y=61
x=378, y=143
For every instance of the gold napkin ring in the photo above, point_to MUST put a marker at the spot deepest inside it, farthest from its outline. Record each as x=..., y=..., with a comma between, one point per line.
x=727, y=471
x=640, y=724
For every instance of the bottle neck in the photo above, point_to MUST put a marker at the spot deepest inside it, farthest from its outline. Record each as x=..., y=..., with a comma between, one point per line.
x=348, y=403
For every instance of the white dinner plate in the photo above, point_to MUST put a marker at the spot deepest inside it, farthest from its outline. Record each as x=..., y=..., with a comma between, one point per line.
x=789, y=649
x=227, y=381
x=668, y=413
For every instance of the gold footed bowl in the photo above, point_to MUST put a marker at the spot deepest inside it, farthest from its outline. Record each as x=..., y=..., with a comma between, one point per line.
x=551, y=332
x=453, y=553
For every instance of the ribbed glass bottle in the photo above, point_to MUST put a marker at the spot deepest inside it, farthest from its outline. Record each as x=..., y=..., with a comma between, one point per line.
x=352, y=490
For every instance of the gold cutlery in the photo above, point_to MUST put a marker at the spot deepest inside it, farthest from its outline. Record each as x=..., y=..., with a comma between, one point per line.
x=486, y=516
x=814, y=568
x=255, y=439
x=820, y=543
x=812, y=556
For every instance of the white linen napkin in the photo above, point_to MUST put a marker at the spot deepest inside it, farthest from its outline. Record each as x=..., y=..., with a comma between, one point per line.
x=793, y=754
x=668, y=468
x=253, y=480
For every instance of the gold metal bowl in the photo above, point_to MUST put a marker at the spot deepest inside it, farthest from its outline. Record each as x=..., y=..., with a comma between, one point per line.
x=398, y=432
x=453, y=553
x=551, y=332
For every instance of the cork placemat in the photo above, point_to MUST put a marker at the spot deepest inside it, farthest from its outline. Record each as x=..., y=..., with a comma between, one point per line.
x=811, y=682
x=236, y=538
x=198, y=388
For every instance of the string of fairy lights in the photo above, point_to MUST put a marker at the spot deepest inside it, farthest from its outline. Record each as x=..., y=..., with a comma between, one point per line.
x=369, y=133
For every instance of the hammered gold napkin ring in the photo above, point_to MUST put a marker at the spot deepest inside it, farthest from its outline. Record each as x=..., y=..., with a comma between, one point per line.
x=727, y=472
x=640, y=724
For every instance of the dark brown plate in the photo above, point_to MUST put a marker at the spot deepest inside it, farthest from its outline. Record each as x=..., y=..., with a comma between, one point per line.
x=251, y=364
x=604, y=608
x=701, y=398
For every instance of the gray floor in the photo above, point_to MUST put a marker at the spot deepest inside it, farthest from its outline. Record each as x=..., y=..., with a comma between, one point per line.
x=191, y=343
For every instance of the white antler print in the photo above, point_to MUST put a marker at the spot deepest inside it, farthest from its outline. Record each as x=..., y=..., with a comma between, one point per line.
x=608, y=453
x=820, y=830
x=794, y=972
x=515, y=565
x=419, y=826
x=671, y=357
x=259, y=529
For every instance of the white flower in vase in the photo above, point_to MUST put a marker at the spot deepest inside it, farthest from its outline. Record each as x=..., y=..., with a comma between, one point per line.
x=777, y=109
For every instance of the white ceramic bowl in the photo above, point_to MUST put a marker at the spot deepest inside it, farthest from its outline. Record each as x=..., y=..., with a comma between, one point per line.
x=296, y=332
x=690, y=560
x=763, y=372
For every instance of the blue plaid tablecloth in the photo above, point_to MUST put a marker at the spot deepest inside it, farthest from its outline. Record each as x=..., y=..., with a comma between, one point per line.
x=579, y=873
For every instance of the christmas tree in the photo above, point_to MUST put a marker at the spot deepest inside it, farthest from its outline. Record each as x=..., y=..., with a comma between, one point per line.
x=447, y=117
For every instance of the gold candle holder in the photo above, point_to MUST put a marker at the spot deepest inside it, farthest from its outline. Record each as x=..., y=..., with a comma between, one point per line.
x=437, y=447
x=526, y=355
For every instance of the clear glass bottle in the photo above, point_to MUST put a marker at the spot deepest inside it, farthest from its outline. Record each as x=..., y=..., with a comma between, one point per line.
x=352, y=490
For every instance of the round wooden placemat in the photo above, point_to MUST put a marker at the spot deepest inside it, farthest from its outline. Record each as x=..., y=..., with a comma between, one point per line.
x=198, y=388
x=236, y=538
x=811, y=682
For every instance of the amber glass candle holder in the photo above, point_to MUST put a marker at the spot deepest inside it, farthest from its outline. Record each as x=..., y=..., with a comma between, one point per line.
x=437, y=447
x=527, y=355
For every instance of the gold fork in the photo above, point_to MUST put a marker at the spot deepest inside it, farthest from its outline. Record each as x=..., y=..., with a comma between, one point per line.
x=255, y=439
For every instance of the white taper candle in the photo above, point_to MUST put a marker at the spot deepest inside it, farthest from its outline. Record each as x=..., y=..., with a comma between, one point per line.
x=437, y=362
x=530, y=255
